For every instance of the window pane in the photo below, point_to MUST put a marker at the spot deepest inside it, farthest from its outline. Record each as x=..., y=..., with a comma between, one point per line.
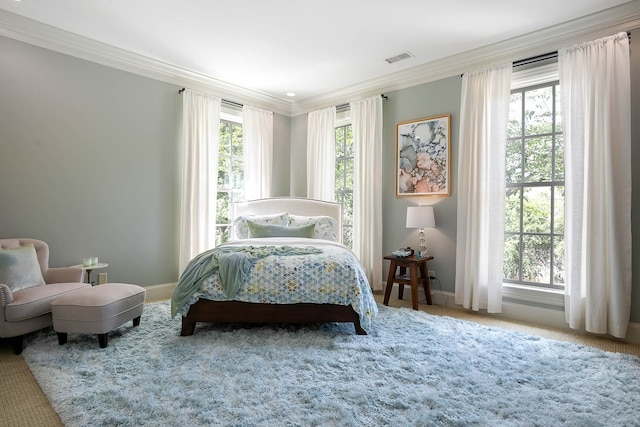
x=514, y=161
x=238, y=196
x=223, y=172
x=347, y=209
x=223, y=208
x=538, y=159
x=340, y=175
x=236, y=141
x=512, y=210
x=348, y=141
x=238, y=174
x=536, y=210
x=511, y=264
x=536, y=259
x=223, y=234
x=225, y=140
x=349, y=174
x=347, y=236
x=340, y=142
x=515, y=115
x=558, y=260
x=558, y=210
x=538, y=111
x=559, y=172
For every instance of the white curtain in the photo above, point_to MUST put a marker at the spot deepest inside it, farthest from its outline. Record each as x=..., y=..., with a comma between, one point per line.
x=484, y=113
x=596, y=105
x=366, y=119
x=257, y=131
x=200, y=136
x=321, y=154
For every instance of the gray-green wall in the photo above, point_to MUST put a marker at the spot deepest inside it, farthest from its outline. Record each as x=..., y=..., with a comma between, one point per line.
x=89, y=162
x=427, y=100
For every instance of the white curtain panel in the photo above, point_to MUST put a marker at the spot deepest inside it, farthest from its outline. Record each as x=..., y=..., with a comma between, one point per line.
x=366, y=117
x=200, y=137
x=257, y=131
x=484, y=113
x=321, y=154
x=596, y=106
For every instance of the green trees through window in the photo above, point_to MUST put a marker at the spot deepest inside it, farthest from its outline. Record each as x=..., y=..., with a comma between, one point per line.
x=230, y=177
x=344, y=180
x=534, y=214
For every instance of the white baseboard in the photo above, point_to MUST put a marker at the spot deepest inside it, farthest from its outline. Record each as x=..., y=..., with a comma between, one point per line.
x=160, y=292
x=553, y=318
x=633, y=333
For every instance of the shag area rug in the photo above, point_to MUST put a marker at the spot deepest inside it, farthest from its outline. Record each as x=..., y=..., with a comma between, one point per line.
x=413, y=369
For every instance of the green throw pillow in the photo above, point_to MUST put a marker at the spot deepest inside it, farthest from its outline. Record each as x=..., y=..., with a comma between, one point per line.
x=268, y=230
x=19, y=268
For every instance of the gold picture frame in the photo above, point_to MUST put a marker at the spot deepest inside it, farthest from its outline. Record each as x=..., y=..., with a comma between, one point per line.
x=423, y=149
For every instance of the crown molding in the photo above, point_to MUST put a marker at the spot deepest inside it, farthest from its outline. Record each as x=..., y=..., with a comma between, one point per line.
x=610, y=21
x=27, y=30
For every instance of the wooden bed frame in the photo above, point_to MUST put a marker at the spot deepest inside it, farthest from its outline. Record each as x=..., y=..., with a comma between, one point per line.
x=245, y=312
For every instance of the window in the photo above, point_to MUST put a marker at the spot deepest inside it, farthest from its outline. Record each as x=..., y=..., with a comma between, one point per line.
x=534, y=214
x=344, y=180
x=230, y=177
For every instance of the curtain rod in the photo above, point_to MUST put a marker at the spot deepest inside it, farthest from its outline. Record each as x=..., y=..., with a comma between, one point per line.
x=224, y=101
x=542, y=57
x=237, y=104
x=534, y=59
x=344, y=106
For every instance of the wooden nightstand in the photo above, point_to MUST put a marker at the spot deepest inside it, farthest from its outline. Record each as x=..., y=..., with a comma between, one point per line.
x=415, y=265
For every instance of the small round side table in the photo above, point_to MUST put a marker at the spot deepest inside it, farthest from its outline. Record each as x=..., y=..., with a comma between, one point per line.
x=90, y=268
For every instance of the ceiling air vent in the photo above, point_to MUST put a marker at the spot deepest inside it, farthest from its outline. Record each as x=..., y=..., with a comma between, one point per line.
x=400, y=57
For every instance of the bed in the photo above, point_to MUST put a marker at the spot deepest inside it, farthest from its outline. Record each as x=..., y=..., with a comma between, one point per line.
x=286, y=264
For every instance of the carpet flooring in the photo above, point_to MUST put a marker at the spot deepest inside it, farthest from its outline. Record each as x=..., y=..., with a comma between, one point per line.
x=413, y=369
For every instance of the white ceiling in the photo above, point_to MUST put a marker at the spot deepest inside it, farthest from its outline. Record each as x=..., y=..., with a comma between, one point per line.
x=312, y=48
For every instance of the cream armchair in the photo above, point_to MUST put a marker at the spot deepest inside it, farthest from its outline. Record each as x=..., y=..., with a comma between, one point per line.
x=27, y=310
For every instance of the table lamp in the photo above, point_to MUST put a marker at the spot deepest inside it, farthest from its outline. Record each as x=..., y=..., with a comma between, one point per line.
x=421, y=217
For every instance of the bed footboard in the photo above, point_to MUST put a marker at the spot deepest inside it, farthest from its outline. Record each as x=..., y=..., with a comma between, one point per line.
x=246, y=312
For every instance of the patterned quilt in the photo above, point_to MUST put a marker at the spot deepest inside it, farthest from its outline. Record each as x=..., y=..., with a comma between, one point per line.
x=332, y=276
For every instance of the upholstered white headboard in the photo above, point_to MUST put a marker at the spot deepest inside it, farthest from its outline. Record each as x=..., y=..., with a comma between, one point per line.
x=293, y=205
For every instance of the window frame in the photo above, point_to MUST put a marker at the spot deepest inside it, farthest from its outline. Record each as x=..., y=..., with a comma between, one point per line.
x=343, y=121
x=523, y=185
x=545, y=297
x=230, y=117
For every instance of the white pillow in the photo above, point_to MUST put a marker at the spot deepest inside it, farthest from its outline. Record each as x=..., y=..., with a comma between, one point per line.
x=325, y=225
x=19, y=268
x=242, y=228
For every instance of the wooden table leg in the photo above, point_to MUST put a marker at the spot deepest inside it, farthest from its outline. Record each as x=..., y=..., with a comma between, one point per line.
x=414, y=286
x=387, y=291
x=425, y=283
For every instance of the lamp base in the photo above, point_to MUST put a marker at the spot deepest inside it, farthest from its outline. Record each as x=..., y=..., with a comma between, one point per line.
x=422, y=252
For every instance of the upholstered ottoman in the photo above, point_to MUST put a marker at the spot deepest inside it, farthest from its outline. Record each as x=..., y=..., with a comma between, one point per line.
x=97, y=310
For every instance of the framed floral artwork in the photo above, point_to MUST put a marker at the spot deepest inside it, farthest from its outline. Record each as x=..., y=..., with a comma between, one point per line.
x=422, y=156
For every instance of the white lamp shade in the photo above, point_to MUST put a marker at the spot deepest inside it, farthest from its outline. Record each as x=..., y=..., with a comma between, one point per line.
x=420, y=217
